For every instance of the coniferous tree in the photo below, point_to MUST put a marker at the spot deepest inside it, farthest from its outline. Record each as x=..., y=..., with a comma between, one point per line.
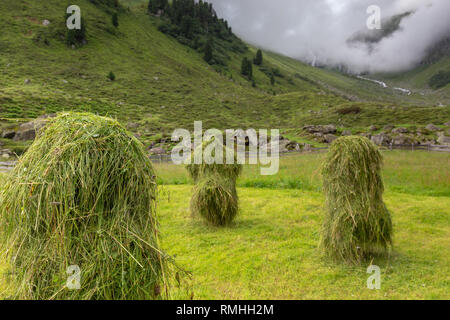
x=272, y=79
x=208, y=57
x=259, y=58
x=115, y=20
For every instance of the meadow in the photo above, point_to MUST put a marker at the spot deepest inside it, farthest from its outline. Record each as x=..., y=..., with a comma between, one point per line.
x=271, y=250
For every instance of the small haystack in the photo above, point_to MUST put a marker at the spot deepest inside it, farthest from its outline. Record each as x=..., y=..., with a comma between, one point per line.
x=84, y=195
x=357, y=222
x=215, y=197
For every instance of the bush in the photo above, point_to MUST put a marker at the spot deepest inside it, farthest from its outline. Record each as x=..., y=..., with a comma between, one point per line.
x=357, y=222
x=349, y=110
x=111, y=76
x=84, y=194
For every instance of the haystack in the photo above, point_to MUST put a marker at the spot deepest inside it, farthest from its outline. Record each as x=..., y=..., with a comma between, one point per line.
x=214, y=196
x=84, y=195
x=357, y=223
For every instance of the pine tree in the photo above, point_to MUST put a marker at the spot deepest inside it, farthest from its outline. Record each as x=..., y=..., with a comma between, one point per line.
x=272, y=79
x=115, y=20
x=111, y=76
x=208, y=57
x=244, y=67
x=259, y=58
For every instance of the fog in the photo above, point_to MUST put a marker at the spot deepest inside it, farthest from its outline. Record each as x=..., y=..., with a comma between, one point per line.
x=319, y=30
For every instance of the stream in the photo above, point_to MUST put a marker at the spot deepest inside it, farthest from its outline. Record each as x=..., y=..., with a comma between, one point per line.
x=384, y=85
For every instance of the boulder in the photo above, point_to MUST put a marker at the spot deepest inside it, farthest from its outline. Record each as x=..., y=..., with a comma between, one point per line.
x=388, y=127
x=27, y=131
x=444, y=140
x=404, y=139
x=381, y=139
x=329, y=138
x=132, y=125
x=157, y=151
x=400, y=130
x=347, y=133
x=373, y=128
x=447, y=124
x=307, y=147
x=321, y=129
x=432, y=128
x=9, y=134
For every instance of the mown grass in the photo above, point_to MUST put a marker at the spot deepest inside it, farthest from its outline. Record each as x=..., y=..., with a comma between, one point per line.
x=416, y=173
x=271, y=250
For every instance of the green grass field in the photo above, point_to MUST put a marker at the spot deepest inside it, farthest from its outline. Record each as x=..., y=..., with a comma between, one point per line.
x=270, y=252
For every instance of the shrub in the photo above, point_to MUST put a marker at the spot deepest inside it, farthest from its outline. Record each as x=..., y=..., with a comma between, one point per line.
x=84, y=194
x=349, y=110
x=111, y=76
x=357, y=222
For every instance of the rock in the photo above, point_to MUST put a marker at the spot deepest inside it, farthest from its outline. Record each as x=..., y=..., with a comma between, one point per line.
x=156, y=78
x=321, y=129
x=381, y=139
x=403, y=139
x=444, y=140
x=347, y=133
x=47, y=116
x=45, y=22
x=157, y=151
x=5, y=155
x=373, y=128
x=27, y=81
x=27, y=131
x=307, y=147
x=400, y=130
x=365, y=134
x=132, y=125
x=329, y=138
x=388, y=127
x=8, y=134
x=432, y=128
x=447, y=124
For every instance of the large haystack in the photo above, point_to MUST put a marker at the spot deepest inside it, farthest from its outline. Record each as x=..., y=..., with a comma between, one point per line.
x=84, y=194
x=357, y=222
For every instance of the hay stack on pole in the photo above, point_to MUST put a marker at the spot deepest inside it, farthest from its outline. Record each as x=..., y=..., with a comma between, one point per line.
x=84, y=195
x=214, y=196
x=357, y=222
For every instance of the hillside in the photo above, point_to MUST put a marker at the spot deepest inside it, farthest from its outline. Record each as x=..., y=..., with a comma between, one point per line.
x=162, y=84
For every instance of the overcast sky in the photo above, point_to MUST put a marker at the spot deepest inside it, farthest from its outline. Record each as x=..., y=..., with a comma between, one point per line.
x=308, y=29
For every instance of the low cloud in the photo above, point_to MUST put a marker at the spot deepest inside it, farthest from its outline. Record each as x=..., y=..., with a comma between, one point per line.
x=319, y=30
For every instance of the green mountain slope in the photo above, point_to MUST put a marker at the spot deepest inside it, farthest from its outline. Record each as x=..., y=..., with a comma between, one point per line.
x=164, y=85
